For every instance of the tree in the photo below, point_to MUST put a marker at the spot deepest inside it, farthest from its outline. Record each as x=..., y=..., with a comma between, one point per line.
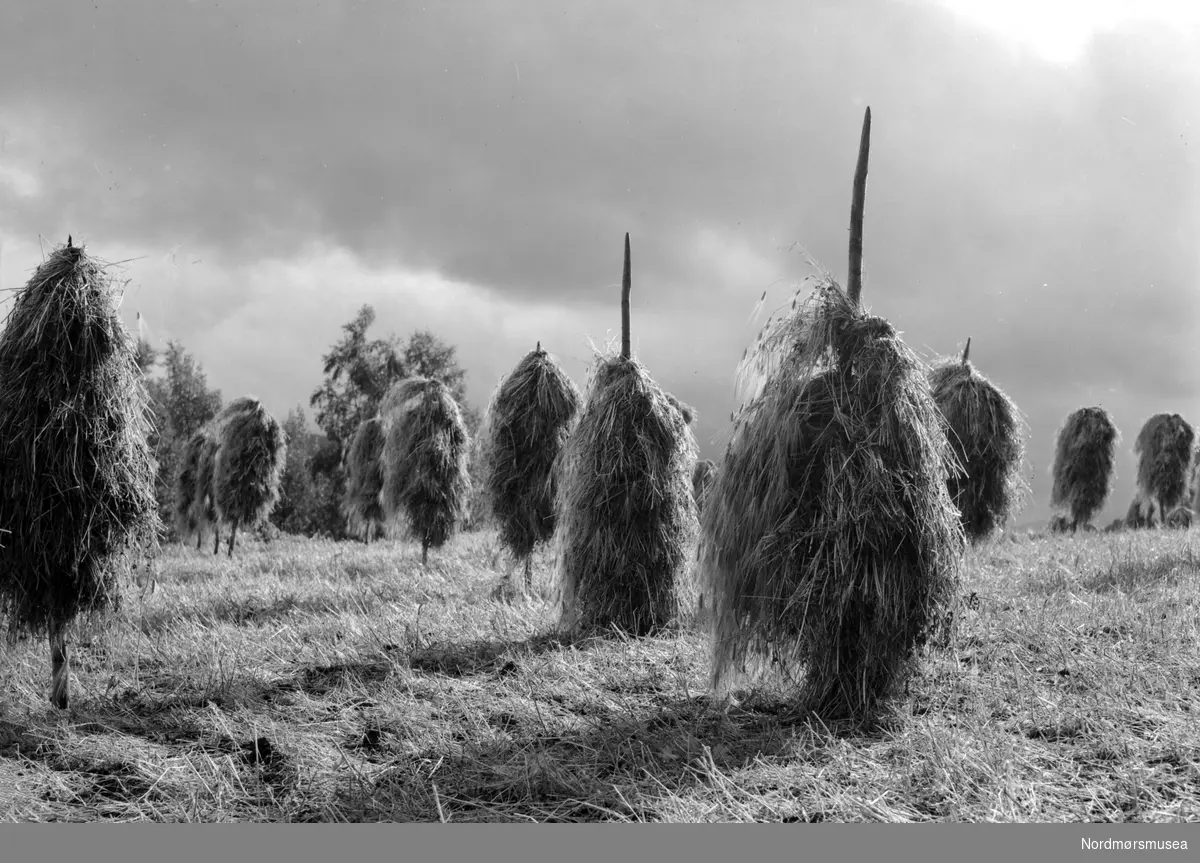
x=358, y=373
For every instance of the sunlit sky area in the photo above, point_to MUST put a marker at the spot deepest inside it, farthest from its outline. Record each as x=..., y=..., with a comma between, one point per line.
x=264, y=169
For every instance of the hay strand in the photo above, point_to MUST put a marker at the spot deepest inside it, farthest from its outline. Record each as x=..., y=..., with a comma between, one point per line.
x=1084, y=464
x=985, y=433
x=702, y=477
x=250, y=459
x=425, y=456
x=526, y=425
x=77, y=505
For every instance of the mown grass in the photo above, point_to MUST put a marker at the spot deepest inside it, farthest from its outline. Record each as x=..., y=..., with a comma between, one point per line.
x=313, y=681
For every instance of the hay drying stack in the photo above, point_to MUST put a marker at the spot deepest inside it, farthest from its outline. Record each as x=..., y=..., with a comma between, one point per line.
x=1164, y=450
x=187, y=521
x=702, y=476
x=203, y=510
x=625, y=511
x=77, y=505
x=248, y=468
x=1084, y=465
x=526, y=426
x=830, y=541
x=425, y=460
x=984, y=430
x=364, y=480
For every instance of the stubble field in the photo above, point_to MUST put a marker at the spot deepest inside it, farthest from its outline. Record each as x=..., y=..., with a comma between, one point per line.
x=318, y=681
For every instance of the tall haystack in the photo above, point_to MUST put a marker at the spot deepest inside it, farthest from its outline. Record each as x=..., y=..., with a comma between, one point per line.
x=77, y=503
x=625, y=511
x=425, y=458
x=203, y=510
x=364, y=480
x=248, y=470
x=985, y=432
x=186, y=487
x=1084, y=464
x=1164, y=450
x=526, y=426
x=702, y=476
x=829, y=541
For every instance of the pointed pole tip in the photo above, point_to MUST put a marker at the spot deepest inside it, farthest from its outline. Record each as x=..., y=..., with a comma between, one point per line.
x=626, y=285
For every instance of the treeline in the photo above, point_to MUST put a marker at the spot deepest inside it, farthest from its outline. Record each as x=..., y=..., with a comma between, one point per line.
x=358, y=370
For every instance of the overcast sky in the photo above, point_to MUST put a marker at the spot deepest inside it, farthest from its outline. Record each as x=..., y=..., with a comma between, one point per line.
x=266, y=168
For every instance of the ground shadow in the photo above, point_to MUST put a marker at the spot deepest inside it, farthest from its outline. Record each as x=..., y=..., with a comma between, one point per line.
x=582, y=759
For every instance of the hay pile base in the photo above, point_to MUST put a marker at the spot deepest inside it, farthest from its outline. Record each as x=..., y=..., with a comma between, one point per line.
x=248, y=470
x=1164, y=450
x=425, y=458
x=77, y=503
x=984, y=430
x=527, y=424
x=364, y=480
x=1084, y=464
x=829, y=540
x=626, y=517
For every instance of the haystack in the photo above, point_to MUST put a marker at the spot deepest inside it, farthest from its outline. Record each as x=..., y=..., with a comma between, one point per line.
x=1164, y=450
x=625, y=512
x=1084, y=464
x=203, y=510
x=186, y=520
x=985, y=432
x=248, y=470
x=364, y=480
x=77, y=503
x=829, y=540
x=526, y=426
x=702, y=476
x=1135, y=516
x=425, y=459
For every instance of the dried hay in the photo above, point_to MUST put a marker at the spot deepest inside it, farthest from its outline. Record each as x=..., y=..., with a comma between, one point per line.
x=77, y=504
x=1179, y=518
x=985, y=431
x=830, y=540
x=1059, y=523
x=526, y=425
x=364, y=480
x=626, y=517
x=1164, y=450
x=203, y=510
x=1084, y=464
x=702, y=477
x=1138, y=514
x=248, y=470
x=425, y=460
x=186, y=521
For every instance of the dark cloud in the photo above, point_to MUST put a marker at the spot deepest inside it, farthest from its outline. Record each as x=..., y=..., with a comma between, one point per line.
x=1049, y=212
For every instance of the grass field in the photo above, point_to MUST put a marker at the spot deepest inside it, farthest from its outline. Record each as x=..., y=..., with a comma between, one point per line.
x=314, y=681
